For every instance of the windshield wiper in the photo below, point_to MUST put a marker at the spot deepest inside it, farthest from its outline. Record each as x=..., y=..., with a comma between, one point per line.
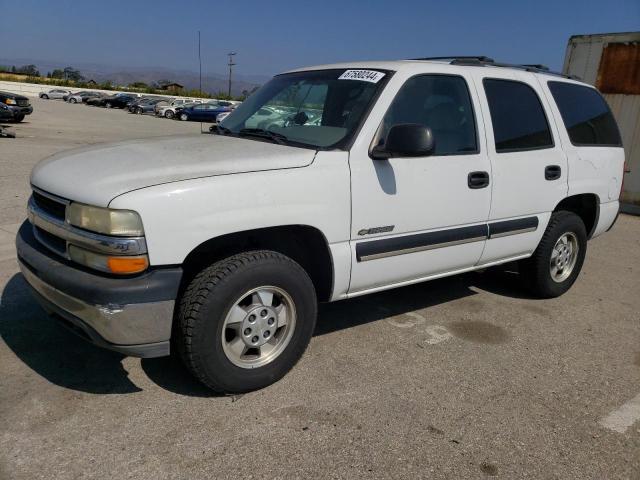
x=261, y=132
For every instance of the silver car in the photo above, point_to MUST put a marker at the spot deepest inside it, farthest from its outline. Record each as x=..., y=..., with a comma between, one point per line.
x=55, y=93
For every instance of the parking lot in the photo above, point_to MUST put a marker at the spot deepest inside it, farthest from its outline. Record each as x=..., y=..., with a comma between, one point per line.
x=465, y=377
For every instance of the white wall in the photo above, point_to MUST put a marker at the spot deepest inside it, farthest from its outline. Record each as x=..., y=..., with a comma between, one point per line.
x=34, y=89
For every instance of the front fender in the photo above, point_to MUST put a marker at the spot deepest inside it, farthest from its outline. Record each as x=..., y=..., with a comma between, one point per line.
x=179, y=216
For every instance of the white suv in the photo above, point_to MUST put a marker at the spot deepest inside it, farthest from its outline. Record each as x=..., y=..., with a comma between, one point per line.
x=373, y=176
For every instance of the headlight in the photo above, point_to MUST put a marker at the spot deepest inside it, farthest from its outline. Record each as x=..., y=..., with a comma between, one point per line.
x=110, y=264
x=124, y=223
x=10, y=101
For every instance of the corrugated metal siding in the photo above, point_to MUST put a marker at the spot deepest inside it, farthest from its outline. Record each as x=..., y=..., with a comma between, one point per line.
x=619, y=70
x=626, y=109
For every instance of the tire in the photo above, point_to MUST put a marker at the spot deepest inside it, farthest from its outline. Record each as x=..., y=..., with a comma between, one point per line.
x=108, y=105
x=139, y=111
x=45, y=96
x=184, y=117
x=73, y=100
x=169, y=114
x=541, y=272
x=203, y=336
x=18, y=118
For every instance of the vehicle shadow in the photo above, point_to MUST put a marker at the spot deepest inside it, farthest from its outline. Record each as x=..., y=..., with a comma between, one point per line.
x=70, y=362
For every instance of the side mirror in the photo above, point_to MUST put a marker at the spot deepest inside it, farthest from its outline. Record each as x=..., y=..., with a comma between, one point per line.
x=406, y=140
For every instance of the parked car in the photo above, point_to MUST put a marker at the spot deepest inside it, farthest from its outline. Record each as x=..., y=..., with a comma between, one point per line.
x=169, y=111
x=146, y=105
x=204, y=112
x=119, y=100
x=80, y=97
x=56, y=93
x=17, y=106
x=222, y=116
x=221, y=246
x=97, y=100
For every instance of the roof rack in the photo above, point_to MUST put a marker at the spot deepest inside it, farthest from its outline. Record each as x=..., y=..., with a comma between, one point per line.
x=483, y=61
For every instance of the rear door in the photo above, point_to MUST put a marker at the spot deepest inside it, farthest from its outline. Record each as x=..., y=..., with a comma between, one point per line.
x=528, y=164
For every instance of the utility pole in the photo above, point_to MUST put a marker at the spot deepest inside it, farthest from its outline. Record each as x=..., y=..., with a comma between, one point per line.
x=231, y=64
x=200, y=63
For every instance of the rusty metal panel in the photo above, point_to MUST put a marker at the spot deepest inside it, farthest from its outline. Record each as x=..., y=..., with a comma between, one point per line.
x=619, y=70
x=584, y=53
x=626, y=110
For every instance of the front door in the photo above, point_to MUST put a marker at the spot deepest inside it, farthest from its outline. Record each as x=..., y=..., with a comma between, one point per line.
x=418, y=217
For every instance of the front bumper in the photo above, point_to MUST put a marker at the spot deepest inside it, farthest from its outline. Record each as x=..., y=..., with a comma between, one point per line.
x=18, y=110
x=130, y=315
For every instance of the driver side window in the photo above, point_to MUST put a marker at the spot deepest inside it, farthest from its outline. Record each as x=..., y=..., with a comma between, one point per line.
x=440, y=102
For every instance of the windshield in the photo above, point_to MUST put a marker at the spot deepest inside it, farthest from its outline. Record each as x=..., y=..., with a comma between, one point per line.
x=318, y=109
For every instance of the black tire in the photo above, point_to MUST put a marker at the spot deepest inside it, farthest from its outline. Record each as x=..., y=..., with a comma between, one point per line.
x=44, y=96
x=184, y=117
x=108, y=105
x=139, y=111
x=73, y=100
x=169, y=114
x=18, y=118
x=535, y=270
x=209, y=297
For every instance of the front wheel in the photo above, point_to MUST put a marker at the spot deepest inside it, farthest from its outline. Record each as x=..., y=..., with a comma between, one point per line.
x=245, y=321
x=184, y=117
x=169, y=114
x=44, y=96
x=558, y=259
x=108, y=105
x=73, y=100
x=18, y=118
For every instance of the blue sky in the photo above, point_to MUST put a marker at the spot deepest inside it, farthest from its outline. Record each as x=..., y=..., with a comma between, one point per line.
x=271, y=35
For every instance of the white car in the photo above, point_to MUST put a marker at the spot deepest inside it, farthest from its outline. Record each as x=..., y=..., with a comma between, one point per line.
x=221, y=246
x=169, y=111
x=56, y=93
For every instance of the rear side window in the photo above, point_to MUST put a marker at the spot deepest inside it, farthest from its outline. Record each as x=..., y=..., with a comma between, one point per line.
x=519, y=121
x=586, y=115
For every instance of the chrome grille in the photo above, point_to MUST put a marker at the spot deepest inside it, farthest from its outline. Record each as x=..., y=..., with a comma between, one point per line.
x=53, y=207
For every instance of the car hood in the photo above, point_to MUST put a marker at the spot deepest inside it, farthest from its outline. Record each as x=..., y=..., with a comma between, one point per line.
x=96, y=175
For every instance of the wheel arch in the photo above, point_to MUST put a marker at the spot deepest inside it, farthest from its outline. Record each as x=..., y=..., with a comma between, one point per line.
x=304, y=244
x=584, y=205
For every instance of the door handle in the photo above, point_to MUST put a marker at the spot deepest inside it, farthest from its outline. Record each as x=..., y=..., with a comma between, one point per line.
x=552, y=172
x=478, y=180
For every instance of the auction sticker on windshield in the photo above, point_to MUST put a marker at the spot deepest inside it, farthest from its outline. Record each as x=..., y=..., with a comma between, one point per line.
x=363, y=75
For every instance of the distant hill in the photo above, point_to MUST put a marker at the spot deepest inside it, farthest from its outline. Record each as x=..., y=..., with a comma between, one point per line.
x=211, y=82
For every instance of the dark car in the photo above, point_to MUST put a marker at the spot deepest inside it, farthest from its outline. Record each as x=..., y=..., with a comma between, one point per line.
x=146, y=105
x=204, y=112
x=17, y=105
x=119, y=100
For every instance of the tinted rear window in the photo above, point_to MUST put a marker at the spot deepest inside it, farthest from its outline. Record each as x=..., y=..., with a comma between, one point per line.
x=585, y=114
x=519, y=121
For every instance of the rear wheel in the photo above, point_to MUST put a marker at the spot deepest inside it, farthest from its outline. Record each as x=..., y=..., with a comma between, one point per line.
x=169, y=114
x=139, y=111
x=245, y=321
x=558, y=259
x=45, y=96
